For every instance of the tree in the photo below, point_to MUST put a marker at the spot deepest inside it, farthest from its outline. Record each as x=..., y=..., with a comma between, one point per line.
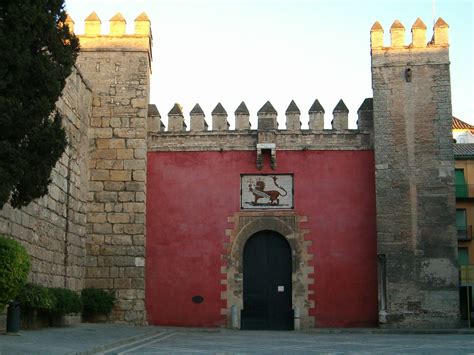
x=37, y=53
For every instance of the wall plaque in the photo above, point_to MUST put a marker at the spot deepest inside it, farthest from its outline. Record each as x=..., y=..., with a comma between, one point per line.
x=274, y=191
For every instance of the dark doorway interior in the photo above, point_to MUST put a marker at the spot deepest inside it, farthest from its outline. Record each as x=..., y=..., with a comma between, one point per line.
x=267, y=283
x=466, y=305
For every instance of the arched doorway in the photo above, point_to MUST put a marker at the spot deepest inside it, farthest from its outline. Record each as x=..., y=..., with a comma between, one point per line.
x=267, y=289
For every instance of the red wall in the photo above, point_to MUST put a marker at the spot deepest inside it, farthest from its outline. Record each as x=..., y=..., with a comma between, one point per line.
x=191, y=194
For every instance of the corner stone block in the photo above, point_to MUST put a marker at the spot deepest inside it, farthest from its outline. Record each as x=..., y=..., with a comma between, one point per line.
x=120, y=175
x=139, y=103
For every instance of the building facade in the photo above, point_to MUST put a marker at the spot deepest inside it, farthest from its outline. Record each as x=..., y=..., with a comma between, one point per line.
x=464, y=179
x=262, y=228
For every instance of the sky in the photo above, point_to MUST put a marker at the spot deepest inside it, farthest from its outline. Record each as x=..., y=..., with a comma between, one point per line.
x=228, y=51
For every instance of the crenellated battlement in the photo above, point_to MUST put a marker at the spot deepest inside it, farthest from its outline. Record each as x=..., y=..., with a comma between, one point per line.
x=118, y=24
x=418, y=31
x=201, y=138
x=117, y=39
x=267, y=119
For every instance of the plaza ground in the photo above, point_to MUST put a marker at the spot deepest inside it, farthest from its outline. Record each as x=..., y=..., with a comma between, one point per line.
x=119, y=339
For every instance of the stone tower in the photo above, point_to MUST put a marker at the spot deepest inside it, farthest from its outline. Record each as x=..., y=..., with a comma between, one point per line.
x=416, y=236
x=117, y=67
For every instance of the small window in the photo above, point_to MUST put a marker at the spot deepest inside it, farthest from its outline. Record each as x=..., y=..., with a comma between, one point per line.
x=461, y=224
x=463, y=256
x=461, y=221
x=460, y=181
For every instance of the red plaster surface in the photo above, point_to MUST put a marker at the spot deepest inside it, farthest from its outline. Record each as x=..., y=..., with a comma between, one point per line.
x=191, y=194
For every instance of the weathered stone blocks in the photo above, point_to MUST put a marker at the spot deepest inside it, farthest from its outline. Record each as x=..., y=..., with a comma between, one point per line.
x=415, y=202
x=116, y=214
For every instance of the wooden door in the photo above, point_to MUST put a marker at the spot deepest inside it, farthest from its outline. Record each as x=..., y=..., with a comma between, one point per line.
x=267, y=283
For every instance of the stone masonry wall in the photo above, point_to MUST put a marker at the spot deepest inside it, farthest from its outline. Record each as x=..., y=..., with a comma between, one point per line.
x=233, y=140
x=118, y=68
x=414, y=179
x=53, y=227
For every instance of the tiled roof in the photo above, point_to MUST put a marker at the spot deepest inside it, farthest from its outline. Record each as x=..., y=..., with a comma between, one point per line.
x=458, y=124
x=463, y=150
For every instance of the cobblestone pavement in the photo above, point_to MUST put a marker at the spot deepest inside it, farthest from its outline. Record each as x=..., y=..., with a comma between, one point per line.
x=121, y=339
x=263, y=342
x=78, y=339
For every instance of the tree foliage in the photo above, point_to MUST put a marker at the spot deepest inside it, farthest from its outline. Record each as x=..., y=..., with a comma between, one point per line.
x=14, y=269
x=37, y=54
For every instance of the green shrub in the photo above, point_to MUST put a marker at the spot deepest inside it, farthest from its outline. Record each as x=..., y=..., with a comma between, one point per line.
x=14, y=268
x=67, y=301
x=97, y=301
x=36, y=297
